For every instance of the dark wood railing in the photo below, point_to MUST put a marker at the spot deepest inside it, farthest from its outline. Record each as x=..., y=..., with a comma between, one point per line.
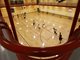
x=24, y=52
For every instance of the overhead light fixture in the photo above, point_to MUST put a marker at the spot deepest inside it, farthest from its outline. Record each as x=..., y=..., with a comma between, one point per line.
x=53, y=24
x=52, y=37
x=20, y=28
x=34, y=36
x=43, y=44
x=17, y=23
x=60, y=26
x=26, y=21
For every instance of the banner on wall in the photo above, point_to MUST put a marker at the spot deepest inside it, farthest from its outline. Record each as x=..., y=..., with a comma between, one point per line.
x=16, y=2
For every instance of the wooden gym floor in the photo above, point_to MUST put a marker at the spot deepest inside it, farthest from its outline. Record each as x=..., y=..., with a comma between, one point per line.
x=41, y=34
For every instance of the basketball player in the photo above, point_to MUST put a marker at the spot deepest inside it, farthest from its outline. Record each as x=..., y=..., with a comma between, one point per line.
x=55, y=31
x=33, y=22
x=60, y=38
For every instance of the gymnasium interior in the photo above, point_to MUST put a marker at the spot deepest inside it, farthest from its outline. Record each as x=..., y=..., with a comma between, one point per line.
x=39, y=30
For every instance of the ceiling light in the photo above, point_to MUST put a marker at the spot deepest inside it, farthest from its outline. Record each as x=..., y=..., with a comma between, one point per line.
x=26, y=21
x=34, y=36
x=20, y=28
x=43, y=44
x=17, y=23
x=59, y=26
x=53, y=24
x=52, y=37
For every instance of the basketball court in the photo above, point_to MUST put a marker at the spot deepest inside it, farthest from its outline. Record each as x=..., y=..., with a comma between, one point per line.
x=41, y=34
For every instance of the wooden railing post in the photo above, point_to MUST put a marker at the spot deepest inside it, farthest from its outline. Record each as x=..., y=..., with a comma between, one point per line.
x=11, y=19
x=75, y=19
